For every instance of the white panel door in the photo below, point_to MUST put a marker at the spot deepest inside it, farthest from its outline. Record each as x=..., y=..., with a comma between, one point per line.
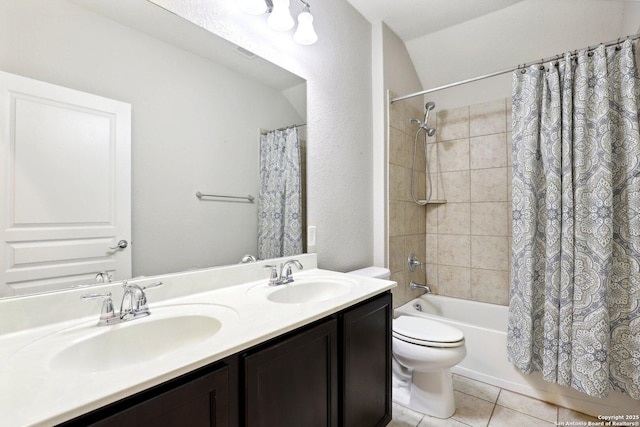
x=65, y=186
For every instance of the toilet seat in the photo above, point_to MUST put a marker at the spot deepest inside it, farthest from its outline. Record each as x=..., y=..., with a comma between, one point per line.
x=426, y=332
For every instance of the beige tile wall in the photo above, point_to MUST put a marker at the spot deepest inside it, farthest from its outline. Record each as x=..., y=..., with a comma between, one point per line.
x=466, y=247
x=468, y=238
x=407, y=221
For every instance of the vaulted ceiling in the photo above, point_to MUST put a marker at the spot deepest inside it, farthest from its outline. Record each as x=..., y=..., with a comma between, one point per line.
x=414, y=18
x=410, y=19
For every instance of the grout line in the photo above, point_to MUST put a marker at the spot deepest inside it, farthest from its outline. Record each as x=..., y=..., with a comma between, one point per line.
x=494, y=407
x=491, y=416
x=469, y=169
x=477, y=397
x=516, y=410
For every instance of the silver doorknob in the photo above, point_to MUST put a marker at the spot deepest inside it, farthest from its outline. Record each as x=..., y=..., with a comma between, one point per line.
x=121, y=245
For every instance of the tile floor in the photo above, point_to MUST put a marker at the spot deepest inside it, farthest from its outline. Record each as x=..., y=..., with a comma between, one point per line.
x=481, y=405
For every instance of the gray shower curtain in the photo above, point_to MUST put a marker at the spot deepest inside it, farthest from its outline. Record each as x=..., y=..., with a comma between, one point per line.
x=574, y=311
x=280, y=197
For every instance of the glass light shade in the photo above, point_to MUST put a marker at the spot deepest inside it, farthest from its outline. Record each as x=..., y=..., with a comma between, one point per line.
x=253, y=7
x=280, y=18
x=305, y=34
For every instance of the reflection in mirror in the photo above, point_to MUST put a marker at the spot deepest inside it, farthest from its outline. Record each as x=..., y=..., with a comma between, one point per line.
x=198, y=108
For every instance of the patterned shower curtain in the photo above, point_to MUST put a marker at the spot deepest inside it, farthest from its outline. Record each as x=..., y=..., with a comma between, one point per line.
x=279, y=197
x=574, y=311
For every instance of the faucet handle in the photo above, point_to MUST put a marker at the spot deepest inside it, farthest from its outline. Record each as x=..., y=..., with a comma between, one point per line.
x=153, y=285
x=142, y=301
x=107, y=313
x=273, y=278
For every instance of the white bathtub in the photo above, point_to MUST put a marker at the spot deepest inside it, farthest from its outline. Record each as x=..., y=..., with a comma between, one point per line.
x=485, y=331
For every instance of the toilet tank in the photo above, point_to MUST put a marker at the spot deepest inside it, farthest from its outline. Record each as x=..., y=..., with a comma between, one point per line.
x=374, y=272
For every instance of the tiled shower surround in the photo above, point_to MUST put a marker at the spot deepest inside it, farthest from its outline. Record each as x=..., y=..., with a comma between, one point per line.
x=407, y=221
x=468, y=239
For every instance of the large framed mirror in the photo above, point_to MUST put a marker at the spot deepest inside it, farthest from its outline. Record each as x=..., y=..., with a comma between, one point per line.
x=198, y=107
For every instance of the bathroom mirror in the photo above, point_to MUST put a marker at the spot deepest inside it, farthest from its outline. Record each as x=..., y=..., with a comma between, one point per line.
x=198, y=106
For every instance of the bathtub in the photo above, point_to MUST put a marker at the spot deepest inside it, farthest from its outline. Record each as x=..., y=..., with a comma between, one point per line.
x=485, y=330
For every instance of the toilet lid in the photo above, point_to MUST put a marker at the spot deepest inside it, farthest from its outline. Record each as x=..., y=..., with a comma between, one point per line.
x=426, y=332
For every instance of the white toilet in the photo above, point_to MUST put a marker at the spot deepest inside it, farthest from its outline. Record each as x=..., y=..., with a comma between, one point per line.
x=423, y=352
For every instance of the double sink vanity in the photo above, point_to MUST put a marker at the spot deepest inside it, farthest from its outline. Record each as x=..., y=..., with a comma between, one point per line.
x=220, y=346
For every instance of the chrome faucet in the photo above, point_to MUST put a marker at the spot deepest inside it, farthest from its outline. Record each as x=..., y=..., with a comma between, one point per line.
x=133, y=306
x=104, y=277
x=284, y=275
x=134, y=302
x=413, y=285
x=247, y=259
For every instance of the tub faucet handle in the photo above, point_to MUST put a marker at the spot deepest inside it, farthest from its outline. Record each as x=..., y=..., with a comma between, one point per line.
x=413, y=262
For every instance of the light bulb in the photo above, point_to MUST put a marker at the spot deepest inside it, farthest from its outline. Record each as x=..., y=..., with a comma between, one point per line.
x=280, y=18
x=305, y=34
x=253, y=7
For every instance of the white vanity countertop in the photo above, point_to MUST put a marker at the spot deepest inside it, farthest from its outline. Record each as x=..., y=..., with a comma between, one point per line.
x=35, y=392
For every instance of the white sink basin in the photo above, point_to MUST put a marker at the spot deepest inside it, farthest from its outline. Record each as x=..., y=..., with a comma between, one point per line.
x=87, y=348
x=307, y=290
x=134, y=342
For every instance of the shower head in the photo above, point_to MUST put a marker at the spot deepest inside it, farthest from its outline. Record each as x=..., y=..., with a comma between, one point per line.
x=428, y=107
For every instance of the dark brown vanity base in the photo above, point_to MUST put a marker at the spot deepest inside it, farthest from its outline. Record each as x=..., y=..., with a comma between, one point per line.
x=333, y=372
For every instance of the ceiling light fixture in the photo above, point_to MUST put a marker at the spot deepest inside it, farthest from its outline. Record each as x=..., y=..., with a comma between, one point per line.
x=280, y=18
x=305, y=34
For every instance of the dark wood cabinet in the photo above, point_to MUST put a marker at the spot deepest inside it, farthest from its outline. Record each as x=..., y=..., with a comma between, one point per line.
x=294, y=382
x=366, y=364
x=203, y=398
x=333, y=372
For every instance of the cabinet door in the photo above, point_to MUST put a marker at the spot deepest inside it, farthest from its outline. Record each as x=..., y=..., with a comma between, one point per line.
x=366, y=358
x=294, y=382
x=200, y=401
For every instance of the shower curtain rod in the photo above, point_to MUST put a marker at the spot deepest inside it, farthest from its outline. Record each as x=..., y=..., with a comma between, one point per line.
x=284, y=128
x=508, y=70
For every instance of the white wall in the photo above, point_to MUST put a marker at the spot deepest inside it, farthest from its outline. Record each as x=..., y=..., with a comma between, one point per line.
x=524, y=32
x=195, y=127
x=631, y=17
x=338, y=73
x=400, y=74
x=380, y=169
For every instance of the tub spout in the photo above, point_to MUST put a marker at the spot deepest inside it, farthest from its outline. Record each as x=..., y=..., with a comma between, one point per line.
x=413, y=285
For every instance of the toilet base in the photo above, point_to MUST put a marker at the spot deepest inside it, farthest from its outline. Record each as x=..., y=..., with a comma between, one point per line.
x=430, y=393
